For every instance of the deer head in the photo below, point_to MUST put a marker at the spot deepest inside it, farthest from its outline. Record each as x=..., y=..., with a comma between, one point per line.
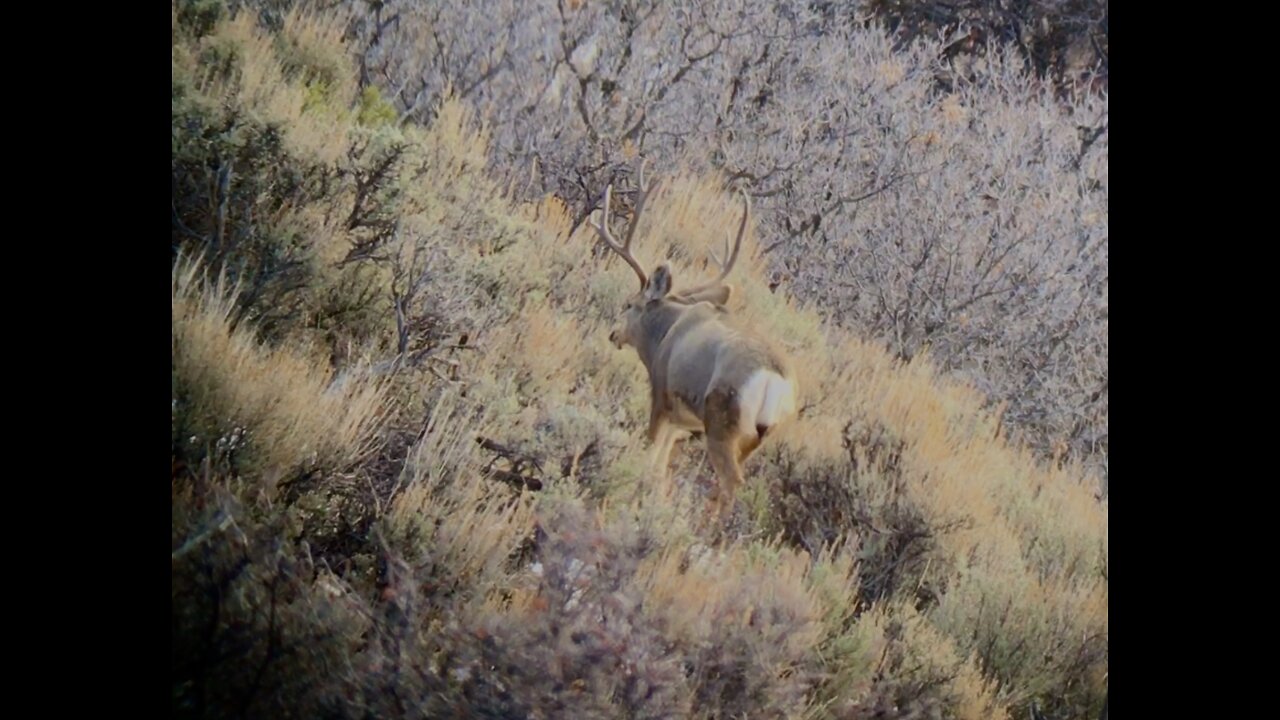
x=657, y=286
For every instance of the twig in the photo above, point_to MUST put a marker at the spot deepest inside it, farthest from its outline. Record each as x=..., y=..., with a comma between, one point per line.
x=519, y=461
x=191, y=544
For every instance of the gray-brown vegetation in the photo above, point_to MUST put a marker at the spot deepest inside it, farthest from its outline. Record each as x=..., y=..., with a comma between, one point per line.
x=410, y=471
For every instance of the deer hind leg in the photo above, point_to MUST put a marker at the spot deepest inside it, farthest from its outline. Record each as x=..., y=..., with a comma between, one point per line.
x=724, y=459
x=748, y=445
x=723, y=447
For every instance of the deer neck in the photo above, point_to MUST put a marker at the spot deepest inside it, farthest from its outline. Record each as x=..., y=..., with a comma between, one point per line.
x=655, y=326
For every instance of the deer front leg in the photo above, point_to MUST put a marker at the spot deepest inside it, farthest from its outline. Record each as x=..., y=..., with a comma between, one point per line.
x=660, y=434
x=658, y=445
x=660, y=460
x=657, y=423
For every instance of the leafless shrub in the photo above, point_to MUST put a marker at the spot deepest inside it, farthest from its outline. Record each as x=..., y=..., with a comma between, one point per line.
x=968, y=218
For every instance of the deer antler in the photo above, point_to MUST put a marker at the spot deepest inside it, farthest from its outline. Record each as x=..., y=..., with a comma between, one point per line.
x=726, y=267
x=602, y=228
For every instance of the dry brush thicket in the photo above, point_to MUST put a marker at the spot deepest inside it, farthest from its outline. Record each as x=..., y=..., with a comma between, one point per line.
x=917, y=194
x=408, y=467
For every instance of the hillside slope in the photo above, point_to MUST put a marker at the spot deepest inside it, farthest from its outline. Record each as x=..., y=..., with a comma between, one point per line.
x=373, y=346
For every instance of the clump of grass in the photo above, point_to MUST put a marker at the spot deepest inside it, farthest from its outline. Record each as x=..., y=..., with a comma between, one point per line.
x=464, y=526
x=273, y=409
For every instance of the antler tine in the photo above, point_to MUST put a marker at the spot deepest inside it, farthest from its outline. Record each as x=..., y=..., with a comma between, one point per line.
x=643, y=189
x=602, y=228
x=716, y=258
x=726, y=267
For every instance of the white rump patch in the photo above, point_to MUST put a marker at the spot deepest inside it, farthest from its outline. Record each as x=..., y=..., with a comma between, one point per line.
x=765, y=399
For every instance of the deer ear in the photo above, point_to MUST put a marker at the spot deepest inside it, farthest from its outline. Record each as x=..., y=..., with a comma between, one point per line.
x=659, y=283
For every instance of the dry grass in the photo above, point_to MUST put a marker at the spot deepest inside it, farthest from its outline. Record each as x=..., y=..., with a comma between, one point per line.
x=301, y=82
x=1023, y=559
x=274, y=403
x=450, y=510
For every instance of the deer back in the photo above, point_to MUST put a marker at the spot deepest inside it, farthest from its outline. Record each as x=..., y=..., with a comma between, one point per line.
x=704, y=350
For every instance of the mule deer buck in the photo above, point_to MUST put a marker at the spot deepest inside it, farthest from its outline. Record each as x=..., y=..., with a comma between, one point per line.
x=706, y=373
